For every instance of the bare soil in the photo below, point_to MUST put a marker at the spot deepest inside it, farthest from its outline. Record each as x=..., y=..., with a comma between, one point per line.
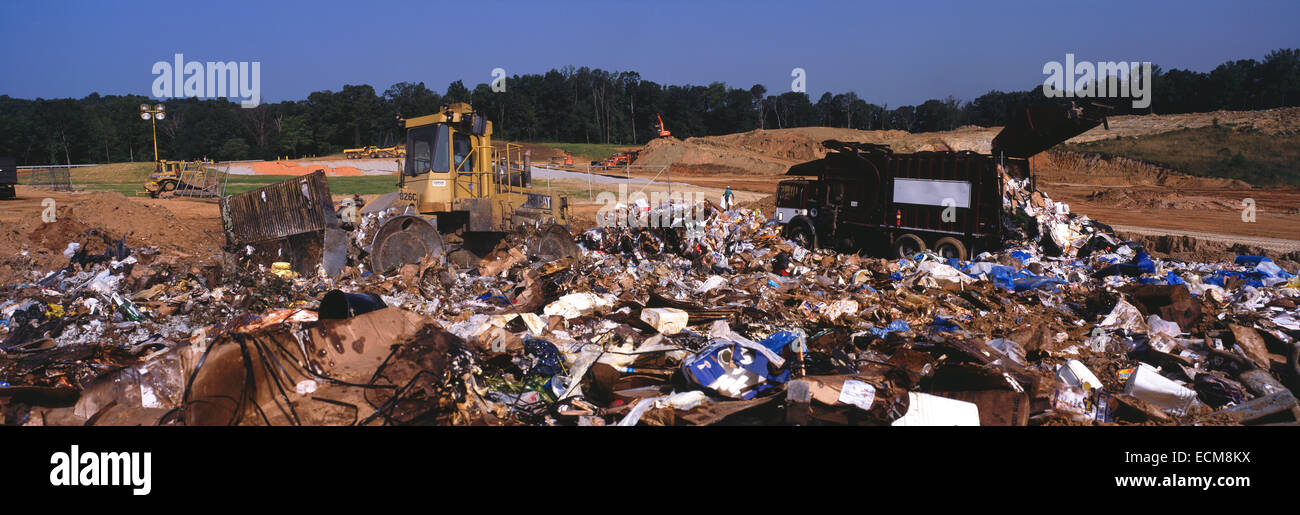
x=182, y=227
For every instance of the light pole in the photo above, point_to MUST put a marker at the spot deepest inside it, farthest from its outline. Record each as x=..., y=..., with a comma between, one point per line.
x=158, y=112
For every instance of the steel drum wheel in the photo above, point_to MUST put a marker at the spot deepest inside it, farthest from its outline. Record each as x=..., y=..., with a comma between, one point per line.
x=403, y=240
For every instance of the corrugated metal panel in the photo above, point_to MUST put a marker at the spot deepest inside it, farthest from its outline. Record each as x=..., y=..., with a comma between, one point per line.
x=293, y=206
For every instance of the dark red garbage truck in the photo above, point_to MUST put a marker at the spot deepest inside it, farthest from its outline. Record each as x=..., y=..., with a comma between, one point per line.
x=865, y=197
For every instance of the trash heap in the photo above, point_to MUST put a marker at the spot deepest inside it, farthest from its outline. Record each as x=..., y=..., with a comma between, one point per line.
x=725, y=323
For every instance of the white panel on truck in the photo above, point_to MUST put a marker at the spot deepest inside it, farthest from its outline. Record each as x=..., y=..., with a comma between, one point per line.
x=931, y=192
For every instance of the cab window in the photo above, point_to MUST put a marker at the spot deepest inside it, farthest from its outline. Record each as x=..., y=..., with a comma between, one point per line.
x=426, y=150
x=440, y=161
x=462, y=152
x=789, y=195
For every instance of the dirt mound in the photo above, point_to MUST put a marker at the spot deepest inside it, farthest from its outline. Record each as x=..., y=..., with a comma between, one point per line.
x=110, y=216
x=773, y=151
x=671, y=151
x=1270, y=121
x=1078, y=167
x=1140, y=198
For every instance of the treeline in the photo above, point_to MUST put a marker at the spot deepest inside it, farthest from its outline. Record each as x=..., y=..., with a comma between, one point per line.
x=576, y=105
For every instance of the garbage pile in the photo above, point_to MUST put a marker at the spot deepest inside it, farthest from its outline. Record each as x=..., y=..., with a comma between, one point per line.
x=727, y=323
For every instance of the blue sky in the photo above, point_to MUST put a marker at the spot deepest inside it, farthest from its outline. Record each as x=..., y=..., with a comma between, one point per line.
x=894, y=53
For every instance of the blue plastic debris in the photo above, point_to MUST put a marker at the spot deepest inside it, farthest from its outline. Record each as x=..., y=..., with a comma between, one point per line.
x=1263, y=272
x=1144, y=263
x=1169, y=278
x=489, y=298
x=546, y=358
x=1173, y=278
x=1036, y=282
x=1001, y=275
x=1250, y=260
x=779, y=340
x=1141, y=264
x=897, y=326
x=943, y=324
x=736, y=371
x=1264, y=267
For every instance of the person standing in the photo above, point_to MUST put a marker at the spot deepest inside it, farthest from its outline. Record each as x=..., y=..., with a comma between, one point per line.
x=727, y=198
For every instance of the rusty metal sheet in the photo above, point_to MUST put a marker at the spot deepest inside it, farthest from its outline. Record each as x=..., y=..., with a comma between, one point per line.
x=293, y=206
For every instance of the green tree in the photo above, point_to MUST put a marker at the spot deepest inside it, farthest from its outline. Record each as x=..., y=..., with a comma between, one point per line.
x=294, y=135
x=456, y=92
x=233, y=149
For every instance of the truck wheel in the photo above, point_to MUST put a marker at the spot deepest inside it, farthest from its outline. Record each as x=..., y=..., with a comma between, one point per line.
x=908, y=245
x=950, y=247
x=802, y=235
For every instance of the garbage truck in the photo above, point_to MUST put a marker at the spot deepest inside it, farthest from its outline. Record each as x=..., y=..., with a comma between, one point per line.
x=864, y=197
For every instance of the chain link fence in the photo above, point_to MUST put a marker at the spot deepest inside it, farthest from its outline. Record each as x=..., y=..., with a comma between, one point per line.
x=203, y=182
x=50, y=178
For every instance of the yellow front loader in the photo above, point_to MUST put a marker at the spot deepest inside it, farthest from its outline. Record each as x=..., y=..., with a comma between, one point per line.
x=170, y=176
x=455, y=183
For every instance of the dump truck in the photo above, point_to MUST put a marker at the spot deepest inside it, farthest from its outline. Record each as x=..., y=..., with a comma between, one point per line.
x=457, y=194
x=360, y=153
x=374, y=152
x=865, y=197
x=393, y=151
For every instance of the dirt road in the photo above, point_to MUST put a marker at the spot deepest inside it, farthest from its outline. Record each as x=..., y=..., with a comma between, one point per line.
x=1275, y=244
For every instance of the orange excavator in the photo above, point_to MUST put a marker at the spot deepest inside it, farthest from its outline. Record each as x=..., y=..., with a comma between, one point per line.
x=663, y=133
